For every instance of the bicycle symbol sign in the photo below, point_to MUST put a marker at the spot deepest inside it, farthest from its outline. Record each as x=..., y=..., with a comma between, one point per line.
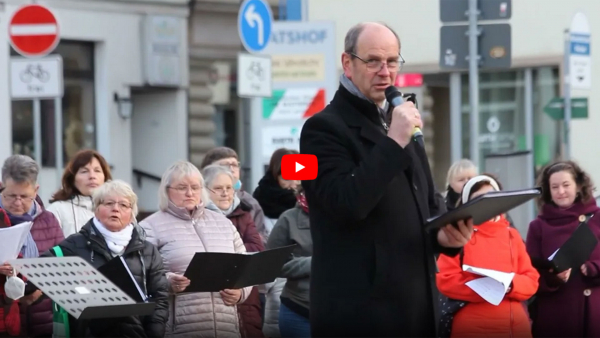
x=36, y=78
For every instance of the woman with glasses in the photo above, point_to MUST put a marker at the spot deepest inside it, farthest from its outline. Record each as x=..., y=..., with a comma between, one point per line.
x=182, y=227
x=111, y=233
x=72, y=203
x=18, y=197
x=219, y=182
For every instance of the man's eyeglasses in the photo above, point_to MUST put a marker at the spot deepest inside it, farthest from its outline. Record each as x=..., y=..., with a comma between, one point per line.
x=231, y=165
x=375, y=65
x=13, y=197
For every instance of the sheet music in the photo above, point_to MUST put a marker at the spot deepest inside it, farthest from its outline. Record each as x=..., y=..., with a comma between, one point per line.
x=489, y=289
x=12, y=240
x=554, y=254
x=493, y=286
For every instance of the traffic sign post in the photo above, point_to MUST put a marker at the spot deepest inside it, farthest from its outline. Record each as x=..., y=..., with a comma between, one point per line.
x=472, y=46
x=556, y=108
x=255, y=21
x=577, y=68
x=254, y=76
x=33, y=31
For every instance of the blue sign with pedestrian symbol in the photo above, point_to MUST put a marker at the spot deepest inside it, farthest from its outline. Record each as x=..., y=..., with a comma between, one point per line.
x=254, y=24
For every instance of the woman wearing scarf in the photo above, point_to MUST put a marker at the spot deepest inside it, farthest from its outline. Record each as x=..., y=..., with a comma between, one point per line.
x=109, y=234
x=219, y=182
x=275, y=195
x=18, y=197
x=495, y=246
x=72, y=203
x=293, y=227
x=183, y=227
x=568, y=303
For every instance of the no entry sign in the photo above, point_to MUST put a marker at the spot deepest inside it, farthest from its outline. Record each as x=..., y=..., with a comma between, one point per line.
x=33, y=31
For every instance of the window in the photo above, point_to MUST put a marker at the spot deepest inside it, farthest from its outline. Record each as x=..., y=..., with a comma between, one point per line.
x=78, y=108
x=502, y=114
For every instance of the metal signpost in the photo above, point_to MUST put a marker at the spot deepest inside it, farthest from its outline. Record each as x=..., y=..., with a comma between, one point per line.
x=34, y=33
x=577, y=66
x=467, y=45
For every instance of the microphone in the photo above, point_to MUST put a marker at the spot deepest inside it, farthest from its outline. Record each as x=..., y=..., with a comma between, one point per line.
x=395, y=98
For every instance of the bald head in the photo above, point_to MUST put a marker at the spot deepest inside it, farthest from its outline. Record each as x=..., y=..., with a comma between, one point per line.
x=365, y=31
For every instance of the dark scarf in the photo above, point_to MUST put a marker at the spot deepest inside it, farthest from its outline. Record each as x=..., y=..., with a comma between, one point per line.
x=452, y=198
x=301, y=198
x=273, y=199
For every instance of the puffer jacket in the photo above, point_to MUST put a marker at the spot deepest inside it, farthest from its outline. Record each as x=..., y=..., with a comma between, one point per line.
x=178, y=236
x=145, y=263
x=73, y=214
x=250, y=310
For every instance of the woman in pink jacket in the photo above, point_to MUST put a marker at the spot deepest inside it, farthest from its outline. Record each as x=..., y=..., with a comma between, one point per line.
x=182, y=227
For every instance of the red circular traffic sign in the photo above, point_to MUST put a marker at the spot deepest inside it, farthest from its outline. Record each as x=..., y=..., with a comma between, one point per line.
x=33, y=31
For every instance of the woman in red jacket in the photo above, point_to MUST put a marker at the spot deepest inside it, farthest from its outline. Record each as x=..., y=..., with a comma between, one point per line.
x=495, y=246
x=219, y=181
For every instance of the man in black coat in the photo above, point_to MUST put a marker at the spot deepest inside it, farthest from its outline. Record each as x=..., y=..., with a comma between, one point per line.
x=373, y=266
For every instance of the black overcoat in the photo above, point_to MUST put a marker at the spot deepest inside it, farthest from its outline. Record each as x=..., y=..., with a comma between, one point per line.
x=373, y=266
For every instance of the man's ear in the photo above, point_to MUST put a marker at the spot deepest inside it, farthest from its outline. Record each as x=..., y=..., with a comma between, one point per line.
x=347, y=64
x=37, y=188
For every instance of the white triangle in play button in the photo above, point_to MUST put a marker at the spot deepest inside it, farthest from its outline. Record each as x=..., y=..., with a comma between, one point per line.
x=299, y=167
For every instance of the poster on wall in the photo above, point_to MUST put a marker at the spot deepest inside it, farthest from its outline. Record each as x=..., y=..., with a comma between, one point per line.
x=293, y=104
x=285, y=136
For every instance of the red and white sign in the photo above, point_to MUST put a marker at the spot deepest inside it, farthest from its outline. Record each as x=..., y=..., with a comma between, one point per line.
x=299, y=167
x=409, y=80
x=33, y=31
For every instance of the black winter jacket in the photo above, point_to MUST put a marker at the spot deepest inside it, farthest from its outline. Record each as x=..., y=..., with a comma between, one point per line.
x=150, y=276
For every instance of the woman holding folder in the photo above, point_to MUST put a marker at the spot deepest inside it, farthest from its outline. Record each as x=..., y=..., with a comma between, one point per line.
x=494, y=246
x=566, y=200
x=182, y=227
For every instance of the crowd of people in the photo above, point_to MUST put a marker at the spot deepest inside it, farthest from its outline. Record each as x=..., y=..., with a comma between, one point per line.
x=375, y=271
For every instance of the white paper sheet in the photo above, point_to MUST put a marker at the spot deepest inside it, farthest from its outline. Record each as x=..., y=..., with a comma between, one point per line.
x=12, y=239
x=554, y=254
x=493, y=286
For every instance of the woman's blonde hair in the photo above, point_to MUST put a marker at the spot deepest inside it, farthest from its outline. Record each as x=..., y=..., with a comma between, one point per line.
x=458, y=167
x=174, y=172
x=115, y=188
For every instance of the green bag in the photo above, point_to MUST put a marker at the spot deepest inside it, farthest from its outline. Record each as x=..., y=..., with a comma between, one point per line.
x=60, y=317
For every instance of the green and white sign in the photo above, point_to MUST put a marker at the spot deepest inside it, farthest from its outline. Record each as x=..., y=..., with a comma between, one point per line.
x=556, y=108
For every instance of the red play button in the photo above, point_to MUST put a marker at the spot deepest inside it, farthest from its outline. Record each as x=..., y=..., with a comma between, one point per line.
x=299, y=167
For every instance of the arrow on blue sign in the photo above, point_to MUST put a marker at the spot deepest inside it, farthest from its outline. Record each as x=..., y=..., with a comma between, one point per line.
x=254, y=24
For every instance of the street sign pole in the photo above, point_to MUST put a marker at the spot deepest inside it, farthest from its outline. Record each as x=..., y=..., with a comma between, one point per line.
x=37, y=131
x=567, y=94
x=474, y=82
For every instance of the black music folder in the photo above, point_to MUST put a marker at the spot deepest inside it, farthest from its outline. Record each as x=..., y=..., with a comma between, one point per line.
x=484, y=207
x=216, y=271
x=576, y=250
x=117, y=271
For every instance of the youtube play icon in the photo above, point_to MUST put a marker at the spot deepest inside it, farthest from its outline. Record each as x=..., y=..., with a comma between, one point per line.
x=299, y=167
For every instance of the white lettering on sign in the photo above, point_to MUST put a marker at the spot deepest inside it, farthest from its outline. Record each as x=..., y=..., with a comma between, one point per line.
x=293, y=37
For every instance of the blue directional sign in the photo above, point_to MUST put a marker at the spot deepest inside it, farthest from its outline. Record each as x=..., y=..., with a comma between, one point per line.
x=254, y=24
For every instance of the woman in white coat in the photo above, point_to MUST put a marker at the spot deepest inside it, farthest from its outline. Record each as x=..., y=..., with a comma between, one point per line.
x=72, y=203
x=182, y=227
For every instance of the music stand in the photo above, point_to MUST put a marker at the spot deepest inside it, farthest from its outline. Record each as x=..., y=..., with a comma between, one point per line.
x=79, y=288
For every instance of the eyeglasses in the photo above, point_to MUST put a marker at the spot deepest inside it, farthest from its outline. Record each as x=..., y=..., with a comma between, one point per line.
x=231, y=165
x=13, y=197
x=374, y=65
x=182, y=189
x=222, y=191
x=121, y=205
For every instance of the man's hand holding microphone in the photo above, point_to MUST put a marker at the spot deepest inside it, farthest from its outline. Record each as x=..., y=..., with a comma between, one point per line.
x=405, y=118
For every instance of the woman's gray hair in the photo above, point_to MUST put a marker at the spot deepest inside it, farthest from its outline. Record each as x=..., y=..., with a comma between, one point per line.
x=213, y=171
x=458, y=167
x=174, y=172
x=115, y=188
x=20, y=168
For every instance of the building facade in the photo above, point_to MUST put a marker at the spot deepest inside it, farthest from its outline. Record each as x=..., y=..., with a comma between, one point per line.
x=125, y=68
